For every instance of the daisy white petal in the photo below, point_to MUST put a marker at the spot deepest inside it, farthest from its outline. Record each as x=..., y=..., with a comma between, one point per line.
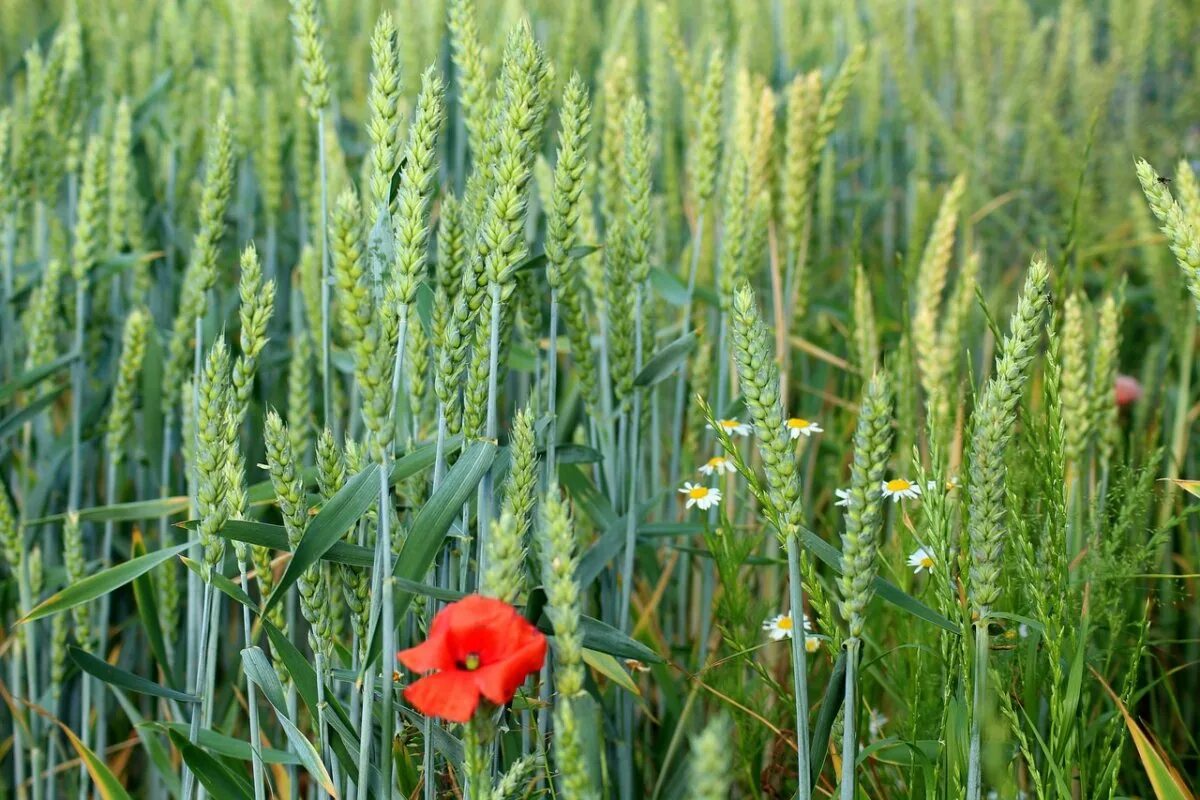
x=798, y=426
x=717, y=464
x=700, y=495
x=899, y=488
x=921, y=559
x=733, y=427
x=843, y=497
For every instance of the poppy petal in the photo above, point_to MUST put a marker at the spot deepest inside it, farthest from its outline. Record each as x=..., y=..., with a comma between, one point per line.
x=429, y=655
x=499, y=681
x=451, y=695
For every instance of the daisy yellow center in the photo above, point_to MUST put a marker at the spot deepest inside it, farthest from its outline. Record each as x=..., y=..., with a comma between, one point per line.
x=926, y=562
x=729, y=424
x=716, y=462
x=785, y=623
x=698, y=492
x=797, y=422
x=898, y=485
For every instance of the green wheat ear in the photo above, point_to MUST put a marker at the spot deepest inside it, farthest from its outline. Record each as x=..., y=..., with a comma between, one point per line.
x=860, y=542
x=710, y=770
x=993, y=423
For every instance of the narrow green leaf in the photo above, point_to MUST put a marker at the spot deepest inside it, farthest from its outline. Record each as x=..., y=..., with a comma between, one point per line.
x=888, y=591
x=429, y=526
x=123, y=512
x=305, y=680
x=835, y=693
x=219, y=780
x=146, y=600
x=34, y=407
x=101, y=583
x=227, y=745
x=106, y=784
x=33, y=377
x=421, y=459
x=259, y=670
x=664, y=363
x=334, y=519
x=157, y=754
x=608, y=666
x=228, y=587
x=265, y=534
x=1163, y=777
x=114, y=676
x=604, y=638
x=448, y=745
x=538, y=260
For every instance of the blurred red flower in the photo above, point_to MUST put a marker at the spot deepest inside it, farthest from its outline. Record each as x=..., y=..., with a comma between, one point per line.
x=1127, y=390
x=477, y=647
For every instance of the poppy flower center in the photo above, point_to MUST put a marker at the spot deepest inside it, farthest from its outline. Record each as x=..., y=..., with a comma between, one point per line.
x=698, y=492
x=898, y=485
x=470, y=663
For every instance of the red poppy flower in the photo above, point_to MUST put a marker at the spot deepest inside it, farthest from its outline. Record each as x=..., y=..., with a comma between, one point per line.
x=1127, y=390
x=477, y=647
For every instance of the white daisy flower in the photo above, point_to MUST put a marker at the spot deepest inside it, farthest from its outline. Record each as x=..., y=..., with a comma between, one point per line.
x=875, y=724
x=921, y=559
x=718, y=464
x=898, y=488
x=950, y=485
x=811, y=643
x=700, y=495
x=733, y=427
x=843, y=497
x=779, y=627
x=798, y=426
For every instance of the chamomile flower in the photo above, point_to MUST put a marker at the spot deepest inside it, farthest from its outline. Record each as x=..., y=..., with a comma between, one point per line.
x=950, y=485
x=875, y=724
x=718, y=464
x=921, y=559
x=700, y=495
x=733, y=427
x=899, y=488
x=779, y=627
x=843, y=497
x=812, y=643
x=798, y=426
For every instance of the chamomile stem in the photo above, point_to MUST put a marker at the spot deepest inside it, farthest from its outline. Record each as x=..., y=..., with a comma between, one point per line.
x=686, y=325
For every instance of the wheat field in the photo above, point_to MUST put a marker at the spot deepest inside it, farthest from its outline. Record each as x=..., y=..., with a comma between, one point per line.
x=497, y=399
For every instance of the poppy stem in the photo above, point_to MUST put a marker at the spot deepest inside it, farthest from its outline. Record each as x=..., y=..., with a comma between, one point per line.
x=475, y=759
